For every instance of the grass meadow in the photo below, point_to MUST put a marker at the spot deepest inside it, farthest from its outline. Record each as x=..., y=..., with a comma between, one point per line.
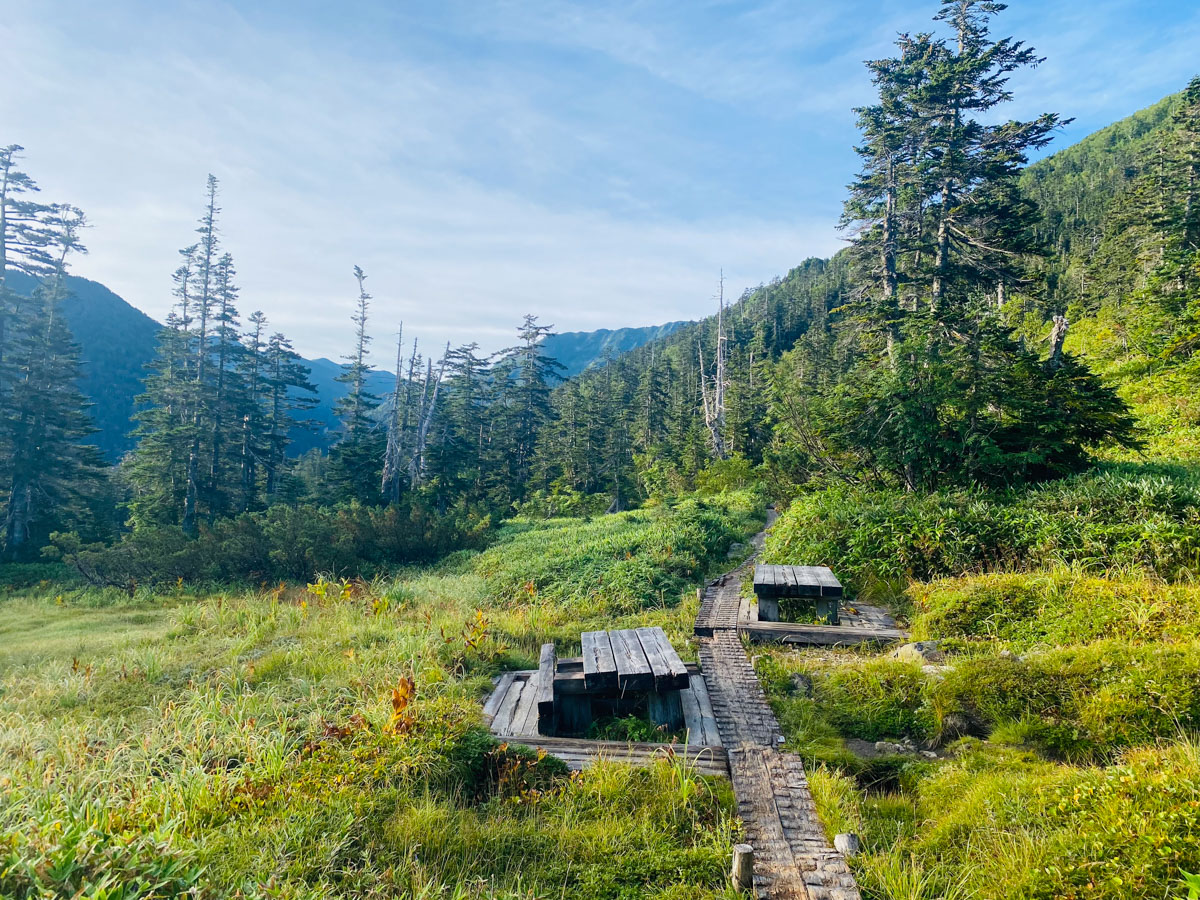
x=296, y=741
x=1065, y=714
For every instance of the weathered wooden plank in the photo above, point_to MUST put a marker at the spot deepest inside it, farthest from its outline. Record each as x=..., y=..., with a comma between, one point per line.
x=708, y=718
x=670, y=674
x=791, y=579
x=508, y=706
x=808, y=583
x=830, y=586
x=666, y=710
x=578, y=754
x=493, y=702
x=545, y=682
x=599, y=664
x=820, y=635
x=746, y=610
x=693, y=721
x=633, y=669
x=526, y=715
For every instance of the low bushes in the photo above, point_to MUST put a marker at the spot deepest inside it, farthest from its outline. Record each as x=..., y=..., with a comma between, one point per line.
x=1131, y=517
x=615, y=564
x=1062, y=607
x=1079, y=702
x=284, y=542
x=1074, y=703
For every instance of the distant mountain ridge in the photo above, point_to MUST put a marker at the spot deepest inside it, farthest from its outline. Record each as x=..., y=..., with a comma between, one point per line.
x=117, y=340
x=582, y=350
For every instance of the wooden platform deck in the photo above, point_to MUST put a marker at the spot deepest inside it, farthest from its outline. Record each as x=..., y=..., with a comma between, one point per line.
x=512, y=710
x=579, y=754
x=860, y=623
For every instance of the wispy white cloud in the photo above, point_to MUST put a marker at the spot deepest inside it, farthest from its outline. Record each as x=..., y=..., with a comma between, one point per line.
x=593, y=163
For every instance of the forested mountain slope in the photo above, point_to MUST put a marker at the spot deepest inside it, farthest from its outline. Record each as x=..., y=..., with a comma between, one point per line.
x=117, y=340
x=580, y=350
x=643, y=416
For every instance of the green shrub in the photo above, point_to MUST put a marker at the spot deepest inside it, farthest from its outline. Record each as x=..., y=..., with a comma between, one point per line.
x=615, y=564
x=284, y=542
x=876, y=699
x=1134, y=517
x=733, y=474
x=1079, y=702
x=1060, y=607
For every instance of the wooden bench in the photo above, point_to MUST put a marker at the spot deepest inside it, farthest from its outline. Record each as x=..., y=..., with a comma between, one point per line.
x=813, y=583
x=619, y=673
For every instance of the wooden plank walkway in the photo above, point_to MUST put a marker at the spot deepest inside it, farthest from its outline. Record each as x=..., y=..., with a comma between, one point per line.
x=578, y=754
x=793, y=860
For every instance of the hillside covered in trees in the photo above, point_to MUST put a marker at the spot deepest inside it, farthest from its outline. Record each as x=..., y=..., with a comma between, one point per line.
x=1076, y=261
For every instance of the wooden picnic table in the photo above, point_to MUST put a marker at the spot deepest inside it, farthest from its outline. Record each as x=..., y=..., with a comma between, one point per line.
x=816, y=583
x=619, y=673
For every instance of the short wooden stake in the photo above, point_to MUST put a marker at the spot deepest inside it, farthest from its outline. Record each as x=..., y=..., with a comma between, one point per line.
x=742, y=874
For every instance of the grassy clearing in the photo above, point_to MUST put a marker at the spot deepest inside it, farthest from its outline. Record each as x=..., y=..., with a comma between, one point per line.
x=298, y=744
x=1070, y=768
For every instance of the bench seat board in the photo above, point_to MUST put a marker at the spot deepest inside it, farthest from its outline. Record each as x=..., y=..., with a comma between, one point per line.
x=670, y=674
x=633, y=669
x=599, y=664
x=773, y=581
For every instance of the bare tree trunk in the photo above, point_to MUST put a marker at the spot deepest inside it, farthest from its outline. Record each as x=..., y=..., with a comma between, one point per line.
x=416, y=466
x=391, y=458
x=714, y=400
x=1058, y=334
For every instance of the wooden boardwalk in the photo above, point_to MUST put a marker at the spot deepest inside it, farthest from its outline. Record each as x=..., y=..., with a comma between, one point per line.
x=792, y=856
x=732, y=731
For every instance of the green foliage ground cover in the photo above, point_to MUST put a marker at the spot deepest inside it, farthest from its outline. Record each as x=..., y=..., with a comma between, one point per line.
x=1128, y=516
x=1066, y=715
x=264, y=741
x=621, y=563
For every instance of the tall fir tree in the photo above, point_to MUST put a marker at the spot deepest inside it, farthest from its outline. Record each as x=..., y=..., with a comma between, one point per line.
x=45, y=421
x=356, y=461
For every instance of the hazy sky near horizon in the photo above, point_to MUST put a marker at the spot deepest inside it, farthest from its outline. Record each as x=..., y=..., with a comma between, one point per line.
x=593, y=163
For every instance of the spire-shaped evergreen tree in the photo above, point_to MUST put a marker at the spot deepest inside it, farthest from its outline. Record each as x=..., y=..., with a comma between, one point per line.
x=45, y=420
x=356, y=461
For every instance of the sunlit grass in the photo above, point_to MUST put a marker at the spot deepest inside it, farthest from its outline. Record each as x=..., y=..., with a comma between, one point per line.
x=248, y=741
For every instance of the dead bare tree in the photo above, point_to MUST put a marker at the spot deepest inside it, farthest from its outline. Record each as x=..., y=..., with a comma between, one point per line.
x=390, y=486
x=714, y=397
x=416, y=464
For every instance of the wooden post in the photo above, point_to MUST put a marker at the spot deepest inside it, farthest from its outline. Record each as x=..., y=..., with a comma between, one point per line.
x=768, y=609
x=827, y=610
x=666, y=709
x=742, y=873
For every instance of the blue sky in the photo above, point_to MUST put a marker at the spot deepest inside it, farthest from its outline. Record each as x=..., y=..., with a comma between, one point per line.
x=593, y=163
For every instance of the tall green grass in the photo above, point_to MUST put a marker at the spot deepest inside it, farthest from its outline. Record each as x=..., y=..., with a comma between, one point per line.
x=249, y=742
x=996, y=823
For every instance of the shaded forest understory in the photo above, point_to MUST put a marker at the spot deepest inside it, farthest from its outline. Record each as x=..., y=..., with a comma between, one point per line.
x=232, y=672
